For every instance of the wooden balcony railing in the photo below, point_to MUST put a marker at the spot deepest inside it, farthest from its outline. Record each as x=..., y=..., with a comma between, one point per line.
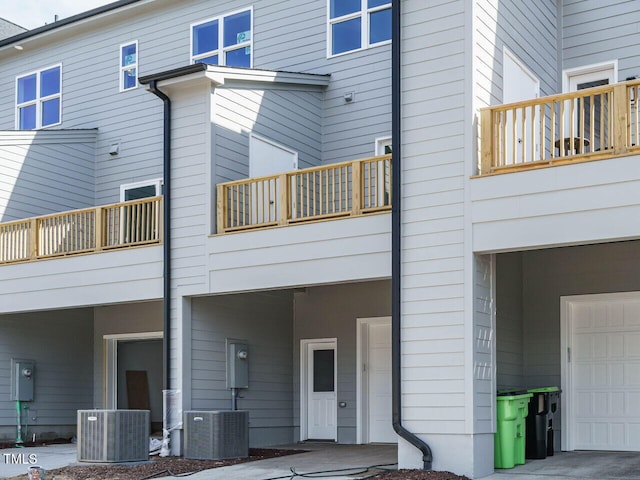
x=120, y=225
x=590, y=124
x=336, y=190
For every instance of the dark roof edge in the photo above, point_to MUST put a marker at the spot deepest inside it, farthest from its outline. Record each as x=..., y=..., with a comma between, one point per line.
x=66, y=21
x=176, y=72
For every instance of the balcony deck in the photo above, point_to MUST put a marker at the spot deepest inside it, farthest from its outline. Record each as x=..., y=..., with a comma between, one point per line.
x=590, y=124
x=354, y=188
x=109, y=227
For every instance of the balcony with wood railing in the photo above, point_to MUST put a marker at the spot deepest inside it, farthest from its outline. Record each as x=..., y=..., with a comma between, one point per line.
x=109, y=227
x=346, y=189
x=590, y=124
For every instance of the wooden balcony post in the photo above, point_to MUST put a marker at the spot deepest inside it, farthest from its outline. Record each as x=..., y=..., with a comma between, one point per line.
x=621, y=118
x=33, y=239
x=221, y=210
x=283, y=200
x=356, y=187
x=487, y=144
x=97, y=225
x=160, y=217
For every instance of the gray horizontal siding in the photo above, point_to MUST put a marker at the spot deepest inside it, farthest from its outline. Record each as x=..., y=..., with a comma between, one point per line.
x=265, y=322
x=529, y=31
x=332, y=312
x=595, y=31
x=44, y=172
x=287, y=35
x=63, y=365
x=290, y=117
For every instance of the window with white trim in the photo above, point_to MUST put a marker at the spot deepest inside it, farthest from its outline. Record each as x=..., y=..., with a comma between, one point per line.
x=225, y=40
x=39, y=98
x=128, y=66
x=383, y=146
x=357, y=24
x=138, y=190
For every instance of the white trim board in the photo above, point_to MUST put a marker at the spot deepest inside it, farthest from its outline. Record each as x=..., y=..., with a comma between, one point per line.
x=110, y=368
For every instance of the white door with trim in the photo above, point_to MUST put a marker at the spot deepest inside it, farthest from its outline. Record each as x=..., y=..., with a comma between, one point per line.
x=379, y=393
x=267, y=158
x=321, y=391
x=519, y=83
x=602, y=368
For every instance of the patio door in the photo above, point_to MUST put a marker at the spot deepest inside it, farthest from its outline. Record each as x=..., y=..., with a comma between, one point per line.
x=593, y=114
x=319, y=383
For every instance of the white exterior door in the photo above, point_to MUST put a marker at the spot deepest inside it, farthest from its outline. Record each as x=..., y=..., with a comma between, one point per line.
x=518, y=83
x=379, y=384
x=267, y=158
x=602, y=372
x=321, y=391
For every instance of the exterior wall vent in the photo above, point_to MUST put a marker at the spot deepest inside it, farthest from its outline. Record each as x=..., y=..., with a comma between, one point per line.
x=216, y=435
x=113, y=435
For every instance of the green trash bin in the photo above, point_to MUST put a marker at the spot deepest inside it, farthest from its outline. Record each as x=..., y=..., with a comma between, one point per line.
x=509, y=440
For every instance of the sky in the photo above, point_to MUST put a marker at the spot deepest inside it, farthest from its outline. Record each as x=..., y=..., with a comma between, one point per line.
x=35, y=13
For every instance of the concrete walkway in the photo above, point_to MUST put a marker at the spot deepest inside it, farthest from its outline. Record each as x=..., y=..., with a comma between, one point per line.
x=334, y=462
x=346, y=460
x=576, y=465
x=341, y=462
x=16, y=461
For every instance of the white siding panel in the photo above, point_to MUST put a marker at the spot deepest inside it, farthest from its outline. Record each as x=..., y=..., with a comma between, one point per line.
x=324, y=252
x=117, y=276
x=571, y=204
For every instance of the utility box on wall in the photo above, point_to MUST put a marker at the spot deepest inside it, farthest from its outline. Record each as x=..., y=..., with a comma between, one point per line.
x=22, y=375
x=237, y=364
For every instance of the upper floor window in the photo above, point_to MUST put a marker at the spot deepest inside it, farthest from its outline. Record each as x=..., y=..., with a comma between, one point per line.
x=357, y=24
x=138, y=190
x=128, y=66
x=225, y=40
x=38, y=98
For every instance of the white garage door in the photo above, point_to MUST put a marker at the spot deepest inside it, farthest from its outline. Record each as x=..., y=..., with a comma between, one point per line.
x=602, y=372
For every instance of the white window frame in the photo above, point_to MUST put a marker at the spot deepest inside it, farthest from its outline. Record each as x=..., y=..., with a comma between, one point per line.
x=124, y=68
x=38, y=101
x=586, y=73
x=380, y=144
x=156, y=182
x=222, y=50
x=364, y=14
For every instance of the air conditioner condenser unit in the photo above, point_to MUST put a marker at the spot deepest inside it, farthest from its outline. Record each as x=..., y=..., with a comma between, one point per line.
x=110, y=436
x=216, y=435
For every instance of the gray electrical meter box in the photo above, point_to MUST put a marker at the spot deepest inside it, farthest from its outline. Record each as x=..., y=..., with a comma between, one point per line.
x=22, y=374
x=237, y=364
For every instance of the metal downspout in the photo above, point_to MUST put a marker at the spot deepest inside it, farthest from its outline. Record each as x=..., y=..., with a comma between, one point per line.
x=396, y=241
x=166, y=343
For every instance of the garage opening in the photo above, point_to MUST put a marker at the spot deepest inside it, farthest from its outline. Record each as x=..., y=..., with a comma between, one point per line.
x=570, y=317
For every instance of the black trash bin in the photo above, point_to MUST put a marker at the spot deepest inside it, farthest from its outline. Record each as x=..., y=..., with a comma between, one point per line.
x=543, y=406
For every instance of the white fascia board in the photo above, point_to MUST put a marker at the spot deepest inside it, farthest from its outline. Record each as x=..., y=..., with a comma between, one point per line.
x=218, y=76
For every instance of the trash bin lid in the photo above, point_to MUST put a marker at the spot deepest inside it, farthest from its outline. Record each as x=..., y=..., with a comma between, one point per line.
x=503, y=397
x=543, y=389
x=512, y=391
